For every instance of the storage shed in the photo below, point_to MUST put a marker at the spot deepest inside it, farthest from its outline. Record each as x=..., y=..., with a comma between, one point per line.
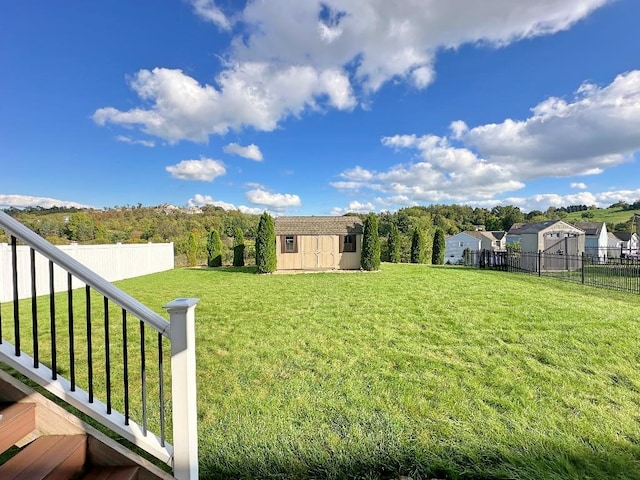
x=552, y=236
x=318, y=243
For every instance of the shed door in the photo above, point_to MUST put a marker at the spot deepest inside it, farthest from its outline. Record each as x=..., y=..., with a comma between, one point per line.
x=318, y=252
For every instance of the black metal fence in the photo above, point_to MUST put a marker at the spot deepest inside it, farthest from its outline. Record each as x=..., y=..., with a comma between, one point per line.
x=614, y=273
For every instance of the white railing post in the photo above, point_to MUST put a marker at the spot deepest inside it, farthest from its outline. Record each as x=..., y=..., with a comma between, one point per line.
x=183, y=388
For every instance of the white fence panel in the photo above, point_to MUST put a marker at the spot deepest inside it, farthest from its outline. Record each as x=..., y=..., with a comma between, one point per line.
x=112, y=262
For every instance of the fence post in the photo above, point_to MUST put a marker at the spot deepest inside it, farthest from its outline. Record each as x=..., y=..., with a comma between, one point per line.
x=539, y=263
x=183, y=388
x=583, y=257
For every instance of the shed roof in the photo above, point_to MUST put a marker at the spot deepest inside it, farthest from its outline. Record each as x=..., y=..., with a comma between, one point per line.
x=347, y=225
x=537, y=227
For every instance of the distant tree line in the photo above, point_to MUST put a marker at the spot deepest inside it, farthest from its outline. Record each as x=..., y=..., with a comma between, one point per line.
x=403, y=236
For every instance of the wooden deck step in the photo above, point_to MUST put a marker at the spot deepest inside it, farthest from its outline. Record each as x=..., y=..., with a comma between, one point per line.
x=112, y=473
x=18, y=420
x=55, y=457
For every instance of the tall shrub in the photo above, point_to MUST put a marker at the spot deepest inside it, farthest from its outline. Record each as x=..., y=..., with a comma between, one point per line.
x=439, y=247
x=370, y=257
x=238, y=248
x=417, y=246
x=266, y=245
x=395, y=247
x=214, y=249
x=192, y=250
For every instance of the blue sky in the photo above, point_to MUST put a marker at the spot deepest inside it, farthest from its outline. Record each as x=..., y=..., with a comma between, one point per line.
x=320, y=107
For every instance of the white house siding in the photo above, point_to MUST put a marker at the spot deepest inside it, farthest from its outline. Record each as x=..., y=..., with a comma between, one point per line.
x=456, y=244
x=112, y=262
x=618, y=246
x=602, y=245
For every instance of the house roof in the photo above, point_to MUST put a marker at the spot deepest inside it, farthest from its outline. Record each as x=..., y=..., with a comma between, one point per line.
x=480, y=234
x=591, y=228
x=494, y=235
x=347, y=225
x=622, y=236
x=473, y=233
x=537, y=227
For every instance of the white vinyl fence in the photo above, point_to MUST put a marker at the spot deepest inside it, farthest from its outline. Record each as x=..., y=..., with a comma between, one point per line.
x=112, y=262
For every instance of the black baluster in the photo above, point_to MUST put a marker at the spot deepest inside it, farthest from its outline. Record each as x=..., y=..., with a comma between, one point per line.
x=52, y=315
x=34, y=309
x=125, y=360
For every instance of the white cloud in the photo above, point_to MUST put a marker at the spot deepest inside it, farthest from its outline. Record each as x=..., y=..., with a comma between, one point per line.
x=255, y=185
x=325, y=53
x=544, y=201
x=349, y=185
x=274, y=200
x=24, y=201
x=133, y=141
x=444, y=172
x=354, y=207
x=208, y=11
x=252, y=152
x=200, y=200
x=254, y=210
x=597, y=129
x=203, y=170
x=254, y=94
x=357, y=174
x=394, y=39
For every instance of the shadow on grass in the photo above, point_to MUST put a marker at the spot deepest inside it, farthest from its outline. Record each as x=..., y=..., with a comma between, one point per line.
x=445, y=463
x=252, y=269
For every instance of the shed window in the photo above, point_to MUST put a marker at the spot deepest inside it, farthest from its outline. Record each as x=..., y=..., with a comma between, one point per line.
x=461, y=244
x=288, y=244
x=349, y=243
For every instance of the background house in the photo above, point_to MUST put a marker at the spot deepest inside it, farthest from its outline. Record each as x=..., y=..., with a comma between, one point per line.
x=622, y=244
x=456, y=244
x=596, y=239
x=318, y=243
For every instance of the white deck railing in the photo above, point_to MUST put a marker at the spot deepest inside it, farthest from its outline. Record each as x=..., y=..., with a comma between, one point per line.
x=180, y=331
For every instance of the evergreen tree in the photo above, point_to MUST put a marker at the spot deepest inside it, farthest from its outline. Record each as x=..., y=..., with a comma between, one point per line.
x=266, y=260
x=395, y=247
x=214, y=249
x=192, y=250
x=370, y=257
x=417, y=247
x=439, y=247
x=238, y=248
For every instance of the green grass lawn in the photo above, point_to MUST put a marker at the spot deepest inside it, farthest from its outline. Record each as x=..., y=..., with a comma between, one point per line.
x=415, y=370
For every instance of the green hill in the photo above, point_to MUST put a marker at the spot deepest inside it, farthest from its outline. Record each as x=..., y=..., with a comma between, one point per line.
x=615, y=217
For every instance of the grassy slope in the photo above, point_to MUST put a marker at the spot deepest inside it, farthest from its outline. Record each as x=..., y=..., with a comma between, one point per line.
x=414, y=370
x=611, y=216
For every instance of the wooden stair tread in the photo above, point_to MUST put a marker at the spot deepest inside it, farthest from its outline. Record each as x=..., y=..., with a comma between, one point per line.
x=54, y=457
x=18, y=420
x=112, y=473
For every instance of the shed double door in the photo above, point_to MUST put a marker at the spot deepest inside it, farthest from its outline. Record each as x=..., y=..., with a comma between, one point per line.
x=318, y=251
